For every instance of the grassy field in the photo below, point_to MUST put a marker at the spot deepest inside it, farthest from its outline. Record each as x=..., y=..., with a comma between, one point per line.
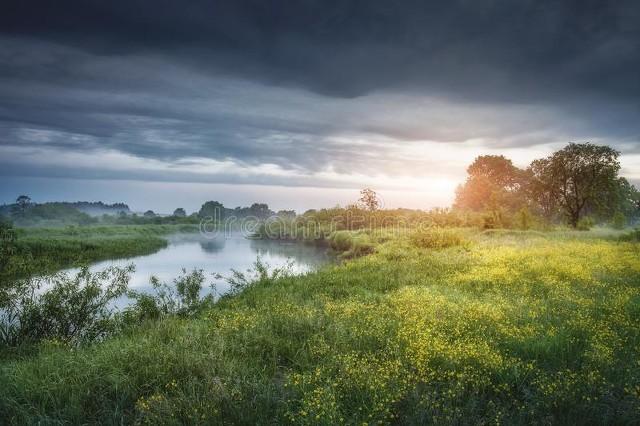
x=461, y=327
x=42, y=250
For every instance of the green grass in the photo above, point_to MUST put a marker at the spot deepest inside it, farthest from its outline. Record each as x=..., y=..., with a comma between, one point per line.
x=437, y=238
x=506, y=328
x=41, y=250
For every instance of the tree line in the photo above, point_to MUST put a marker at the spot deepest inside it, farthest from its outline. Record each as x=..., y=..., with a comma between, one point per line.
x=25, y=212
x=579, y=181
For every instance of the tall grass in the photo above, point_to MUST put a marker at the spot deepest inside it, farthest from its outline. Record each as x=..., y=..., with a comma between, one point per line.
x=515, y=330
x=437, y=238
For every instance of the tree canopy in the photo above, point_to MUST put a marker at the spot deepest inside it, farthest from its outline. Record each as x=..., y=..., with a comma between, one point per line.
x=369, y=199
x=577, y=180
x=578, y=177
x=492, y=179
x=179, y=212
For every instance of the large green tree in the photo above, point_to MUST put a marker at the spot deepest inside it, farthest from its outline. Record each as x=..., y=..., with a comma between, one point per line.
x=492, y=179
x=577, y=178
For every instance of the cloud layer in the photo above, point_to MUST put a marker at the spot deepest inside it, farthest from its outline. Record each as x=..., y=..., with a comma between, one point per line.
x=317, y=93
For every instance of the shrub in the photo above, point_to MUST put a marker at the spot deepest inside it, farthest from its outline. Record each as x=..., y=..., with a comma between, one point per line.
x=8, y=245
x=260, y=274
x=437, y=238
x=361, y=246
x=181, y=298
x=524, y=219
x=633, y=236
x=619, y=221
x=489, y=222
x=72, y=309
x=585, y=224
x=341, y=241
x=349, y=244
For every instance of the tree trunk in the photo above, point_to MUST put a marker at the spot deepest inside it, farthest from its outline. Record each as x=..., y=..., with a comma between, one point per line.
x=573, y=219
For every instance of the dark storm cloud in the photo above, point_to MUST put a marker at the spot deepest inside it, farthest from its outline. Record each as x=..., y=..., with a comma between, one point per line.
x=125, y=104
x=260, y=82
x=349, y=48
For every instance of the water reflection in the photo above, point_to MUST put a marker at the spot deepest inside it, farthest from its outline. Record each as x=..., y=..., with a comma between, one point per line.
x=302, y=253
x=212, y=246
x=218, y=255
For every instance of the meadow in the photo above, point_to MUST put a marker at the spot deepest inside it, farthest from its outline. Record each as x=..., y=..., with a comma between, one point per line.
x=432, y=326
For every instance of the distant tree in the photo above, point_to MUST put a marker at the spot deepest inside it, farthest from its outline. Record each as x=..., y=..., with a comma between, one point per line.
x=289, y=214
x=23, y=202
x=180, y=212
x=149, y=214
x=213, y=209
x=260, y=210
x=491, y=177
x=369, y=199
x=578, y=176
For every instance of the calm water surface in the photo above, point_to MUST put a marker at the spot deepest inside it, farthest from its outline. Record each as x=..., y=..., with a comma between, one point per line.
x=218, y=255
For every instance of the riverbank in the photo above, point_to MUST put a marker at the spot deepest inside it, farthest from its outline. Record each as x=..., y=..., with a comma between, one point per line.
x=484, y=328
x=44, y=250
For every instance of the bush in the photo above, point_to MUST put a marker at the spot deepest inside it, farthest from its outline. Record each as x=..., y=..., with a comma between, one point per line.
x=619, y=221
x=361, y=246
x=437, y=238
x=524, y=219
x=350, y=244
x=183, y=298
x=72, y=309
x=8, y=247
x=633, y=236
x=260, y=274
x=489, y=222
x=585, y=224
x=340, y=241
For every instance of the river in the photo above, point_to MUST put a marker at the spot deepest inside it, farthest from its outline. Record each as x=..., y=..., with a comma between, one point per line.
x=215, y=256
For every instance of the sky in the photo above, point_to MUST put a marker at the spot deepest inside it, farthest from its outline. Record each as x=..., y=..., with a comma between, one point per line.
x=163, y=104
